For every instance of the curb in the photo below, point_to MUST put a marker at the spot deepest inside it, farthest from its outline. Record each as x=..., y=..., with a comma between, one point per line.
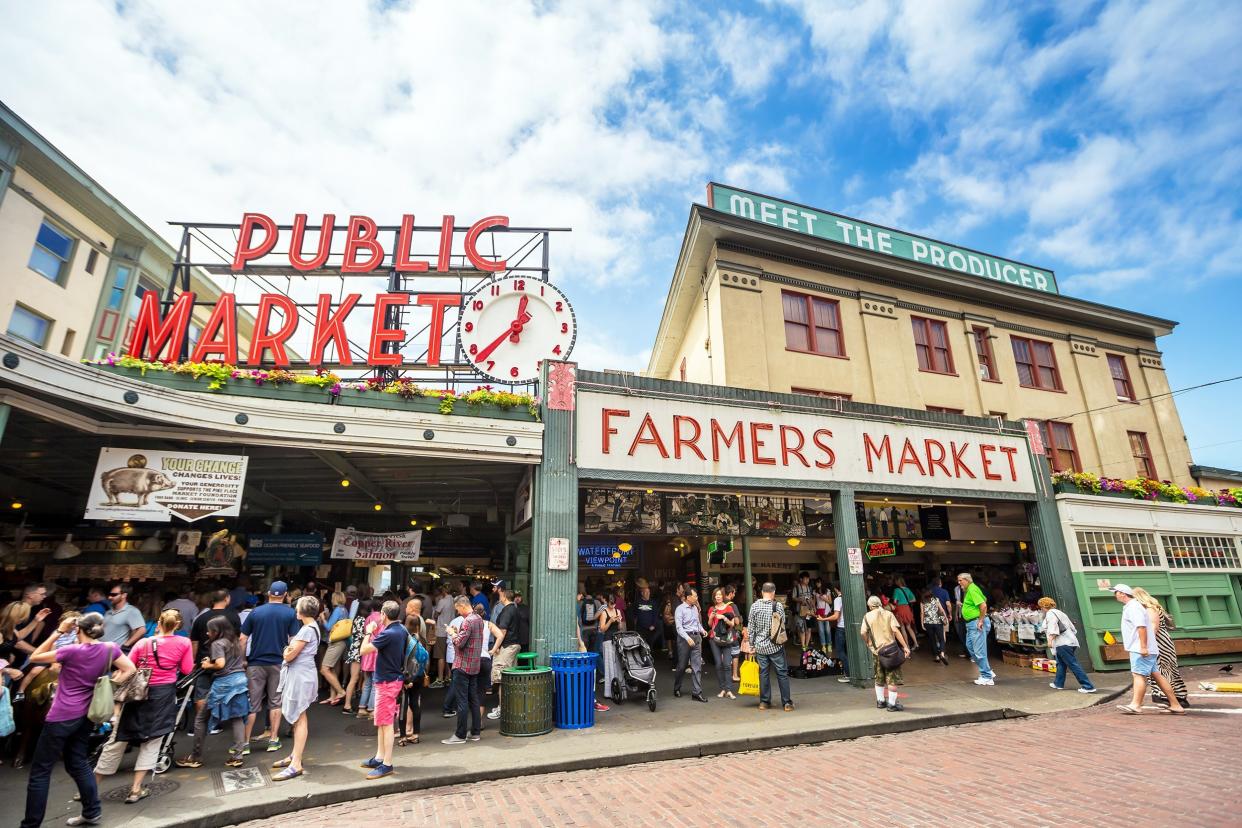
x=287, y=805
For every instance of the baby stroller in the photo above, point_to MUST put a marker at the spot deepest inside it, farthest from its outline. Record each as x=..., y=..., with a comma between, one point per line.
x=637, y=669
x=185, y=703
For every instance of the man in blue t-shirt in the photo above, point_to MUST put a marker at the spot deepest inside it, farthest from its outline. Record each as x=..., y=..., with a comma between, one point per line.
x=389, y=644
x=478, y=599
x=267, y=631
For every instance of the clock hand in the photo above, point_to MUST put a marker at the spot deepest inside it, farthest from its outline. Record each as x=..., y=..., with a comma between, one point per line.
x=516, y=328
x=511, y=333
x=522, y=309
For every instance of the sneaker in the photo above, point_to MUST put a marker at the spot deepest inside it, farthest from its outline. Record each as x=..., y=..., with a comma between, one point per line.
x=495, y=713
x=380, y=772
x=450, y=715
x=843, y=679
x=213, y=731
x=982, y=682
x=763, y=705
x=246, y=750
x=896, y=707
x=880, y=705
x=453, y=740
x=1054, y=687
x=18, y=697
x=474, y=737
x=1086, y=690
x=602, y=708
x=273, y=746
x=789, y=707
x=370, y=764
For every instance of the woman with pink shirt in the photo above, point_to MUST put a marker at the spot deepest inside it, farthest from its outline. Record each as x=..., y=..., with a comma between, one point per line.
x=366, y=705
x=150, y=720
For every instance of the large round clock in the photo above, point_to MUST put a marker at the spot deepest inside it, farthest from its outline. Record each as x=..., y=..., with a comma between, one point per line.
x=509, y=327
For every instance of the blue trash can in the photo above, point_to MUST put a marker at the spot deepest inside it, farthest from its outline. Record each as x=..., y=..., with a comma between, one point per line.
x=575, y=689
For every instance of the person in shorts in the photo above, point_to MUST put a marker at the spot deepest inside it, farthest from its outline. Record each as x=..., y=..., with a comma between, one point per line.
x=1138, y=634
x=387, y=640
x=506, y=647
x=267, y=630
x=880, y=628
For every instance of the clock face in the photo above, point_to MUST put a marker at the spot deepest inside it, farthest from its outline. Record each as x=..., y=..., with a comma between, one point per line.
x=509, y=327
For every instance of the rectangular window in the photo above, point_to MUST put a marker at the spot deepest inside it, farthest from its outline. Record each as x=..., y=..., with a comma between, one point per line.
x=1130, y=549
x=30, y=326
x=1143, y=463
x=120, y=283
x=931, y=345
x=1060, y=445
x=942, y=410
x=1037, y=364
x=828, y=395
x=1200, y=552
x=812, y=324
x=983, y=350
x=66, y=344
x=1121, y=377
x=92, y=259
x=51, y=253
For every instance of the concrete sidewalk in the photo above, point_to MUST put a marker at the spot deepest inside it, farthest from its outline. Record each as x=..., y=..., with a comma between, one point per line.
x=680, y=728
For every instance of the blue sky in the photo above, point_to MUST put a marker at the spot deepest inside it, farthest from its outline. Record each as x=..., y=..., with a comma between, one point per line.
x=1102, y=140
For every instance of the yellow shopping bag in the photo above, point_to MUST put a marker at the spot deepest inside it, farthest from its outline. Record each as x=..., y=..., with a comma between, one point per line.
x=749, y=671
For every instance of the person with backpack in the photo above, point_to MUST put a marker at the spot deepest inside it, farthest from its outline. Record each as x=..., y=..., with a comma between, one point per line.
x=722, y=622
x=903, y=608
x=588, y=620
x=767, y=633
x=882, y=633
x=414, y=677
x=72, y=718
x=388, y=641
x=1063, y=641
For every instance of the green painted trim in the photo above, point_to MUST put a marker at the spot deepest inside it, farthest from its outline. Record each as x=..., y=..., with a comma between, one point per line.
x=853, y=591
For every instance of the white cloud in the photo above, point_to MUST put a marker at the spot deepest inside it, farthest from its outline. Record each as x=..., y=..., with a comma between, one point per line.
x=751, y=52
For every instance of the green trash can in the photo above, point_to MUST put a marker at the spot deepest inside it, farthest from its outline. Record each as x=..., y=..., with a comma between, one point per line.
x=526, y=701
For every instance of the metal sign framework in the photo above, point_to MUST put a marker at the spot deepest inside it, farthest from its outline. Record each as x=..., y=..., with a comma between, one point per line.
x=209, y=247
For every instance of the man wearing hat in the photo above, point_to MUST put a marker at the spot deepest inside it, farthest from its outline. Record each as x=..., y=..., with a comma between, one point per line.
x=267, y=630
x=1138, y=634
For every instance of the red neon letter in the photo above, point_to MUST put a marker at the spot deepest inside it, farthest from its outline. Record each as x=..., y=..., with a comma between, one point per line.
x=884, y=450
x=959, y=464
x=934, y=460
x=361, y=236
x=827, y=450
x=690, y=442
x=984, y=450
x=332, y=328
x=401, y=261
x=756, y=444
x=245, y=252
x=788, y=450
x=170, y=331
x=379, y=334
x=325, y=242
x=608, y=429
x=275, y=342
x=734, y=436
x=653, y=440
x=1010, y=452
x=472, y=240
x=224, y=318
x=435, y=332
x=446, y=244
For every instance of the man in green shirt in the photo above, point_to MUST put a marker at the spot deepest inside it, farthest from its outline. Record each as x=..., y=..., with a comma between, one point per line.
x=978, y=626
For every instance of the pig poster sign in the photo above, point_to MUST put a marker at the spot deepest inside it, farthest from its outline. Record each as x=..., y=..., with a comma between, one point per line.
x=137, y=484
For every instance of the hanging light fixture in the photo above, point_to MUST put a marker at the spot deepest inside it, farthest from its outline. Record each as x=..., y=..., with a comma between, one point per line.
x=616, y=556
x=625, y=546
x=378, y=506
x=919, y=544
x=345, y=482
x=793, y=541
x=16, y=504
x=1022, y=545
x=413, y=522
x=66, y=549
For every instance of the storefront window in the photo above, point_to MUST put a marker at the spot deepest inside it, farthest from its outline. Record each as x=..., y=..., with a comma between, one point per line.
x=1200, y=552
x=1129, y=549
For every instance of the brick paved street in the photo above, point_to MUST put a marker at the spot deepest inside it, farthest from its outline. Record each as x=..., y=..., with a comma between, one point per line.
x=998, y=773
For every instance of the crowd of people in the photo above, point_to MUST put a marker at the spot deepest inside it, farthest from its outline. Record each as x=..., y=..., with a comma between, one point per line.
x=259, y=660
x=252, y=660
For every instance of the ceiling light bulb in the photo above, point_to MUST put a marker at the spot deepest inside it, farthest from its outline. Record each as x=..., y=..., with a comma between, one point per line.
x=16, y=504
x=345, y=482
x=792, y=541
x=413, y=522
x=378, y=506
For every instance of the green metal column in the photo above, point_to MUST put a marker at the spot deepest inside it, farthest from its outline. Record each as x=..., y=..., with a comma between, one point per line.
x=1051, y=555
x=748, y=580
x=853, y=590
x=554, y=591
x=5, y=410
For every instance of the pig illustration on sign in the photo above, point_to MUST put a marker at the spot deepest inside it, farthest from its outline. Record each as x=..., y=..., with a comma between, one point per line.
x=140, y=482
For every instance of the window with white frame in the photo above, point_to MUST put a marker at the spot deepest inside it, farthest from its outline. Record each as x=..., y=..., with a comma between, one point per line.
x=1200, y=552
x=52, y=251
x=1117, y=549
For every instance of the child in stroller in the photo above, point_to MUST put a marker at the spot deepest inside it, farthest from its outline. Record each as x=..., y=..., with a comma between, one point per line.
x=637, y=673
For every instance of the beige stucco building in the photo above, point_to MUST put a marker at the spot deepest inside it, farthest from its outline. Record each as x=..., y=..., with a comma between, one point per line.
x=75, y=261
x=756, y=304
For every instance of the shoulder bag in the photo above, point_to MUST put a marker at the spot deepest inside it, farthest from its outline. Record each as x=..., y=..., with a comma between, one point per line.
x=102, y=704
x=137, y=686
x=776, y=630
x=890, y=656
x=341, y=630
